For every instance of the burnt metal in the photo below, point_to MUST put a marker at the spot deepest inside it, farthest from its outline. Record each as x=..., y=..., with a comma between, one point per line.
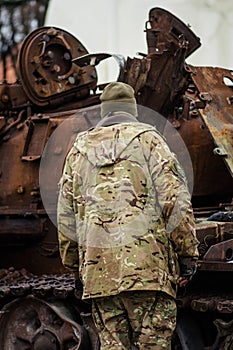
x=220, y=252
x=211, y=234
x=43, y=326
x=223, y=304
x=14, y=283
x=166, y=31
x=225, y=338
x=56, y=98
x=214, y=86
x=46, y=69
x=95, y=59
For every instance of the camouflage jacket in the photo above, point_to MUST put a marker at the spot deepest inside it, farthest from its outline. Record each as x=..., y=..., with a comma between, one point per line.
x=124, y=212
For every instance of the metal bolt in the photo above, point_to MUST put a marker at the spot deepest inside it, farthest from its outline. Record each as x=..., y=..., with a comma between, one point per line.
x=20, y=189
x=67, y=56
x=71, y=80
x=5, y=98
x=56, y=68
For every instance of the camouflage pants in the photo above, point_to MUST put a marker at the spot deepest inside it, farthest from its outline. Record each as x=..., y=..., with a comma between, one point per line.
x=144, y=319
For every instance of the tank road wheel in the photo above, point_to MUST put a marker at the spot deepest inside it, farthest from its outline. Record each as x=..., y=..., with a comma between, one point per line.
x=33, y=324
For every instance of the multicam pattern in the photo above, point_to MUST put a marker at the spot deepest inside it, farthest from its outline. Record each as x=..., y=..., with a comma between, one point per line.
x=152, y=322
x=124, y=212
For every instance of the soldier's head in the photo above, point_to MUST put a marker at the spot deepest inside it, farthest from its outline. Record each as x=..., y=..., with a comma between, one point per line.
x=118, y=97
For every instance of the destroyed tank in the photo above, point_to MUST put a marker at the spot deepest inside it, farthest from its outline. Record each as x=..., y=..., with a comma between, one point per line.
x=57, y=96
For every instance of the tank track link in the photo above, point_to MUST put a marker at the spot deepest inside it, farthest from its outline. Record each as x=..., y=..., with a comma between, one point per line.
x=19, y=283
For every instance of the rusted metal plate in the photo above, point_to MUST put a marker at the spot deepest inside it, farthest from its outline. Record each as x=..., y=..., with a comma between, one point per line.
x=164, y=26
x=46, y=69
x=161, y=77
x=210, y=233
x=215, y=89
x=215, y=266
x=220, y=252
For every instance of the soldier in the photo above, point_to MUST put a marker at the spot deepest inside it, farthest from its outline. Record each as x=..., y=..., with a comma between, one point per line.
x=126, y=226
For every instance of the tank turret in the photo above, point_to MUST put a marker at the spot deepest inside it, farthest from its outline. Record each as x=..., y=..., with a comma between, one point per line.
x=57, y=96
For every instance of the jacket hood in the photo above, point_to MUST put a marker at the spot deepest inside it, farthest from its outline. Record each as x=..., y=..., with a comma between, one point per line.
x=104, y=145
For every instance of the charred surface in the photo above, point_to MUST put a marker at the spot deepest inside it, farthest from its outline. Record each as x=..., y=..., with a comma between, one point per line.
x=58, y=87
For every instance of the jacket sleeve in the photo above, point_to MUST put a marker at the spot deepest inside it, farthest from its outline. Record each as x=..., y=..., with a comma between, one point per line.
x=175, y=202
x=66, y=219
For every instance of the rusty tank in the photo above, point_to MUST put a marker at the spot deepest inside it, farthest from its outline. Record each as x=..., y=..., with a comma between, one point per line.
x=55, y=97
